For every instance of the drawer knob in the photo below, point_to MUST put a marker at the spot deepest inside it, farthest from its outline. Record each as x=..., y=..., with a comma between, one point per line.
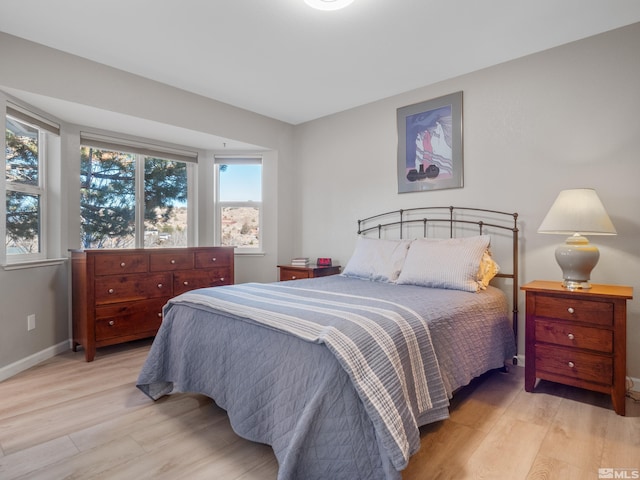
x=111, y=323
x=570, y=310
x=213, y=259
x=159, y=285
x=571, y=364
x=122, y=264
x=173, y=261
x=222, y=279
x=571, y=336
x=160, y=314
x=293, y=277
x=110, y=290
x=185, y=283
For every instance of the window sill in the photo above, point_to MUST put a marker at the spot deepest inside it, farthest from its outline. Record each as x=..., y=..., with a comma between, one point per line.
x=48, y=262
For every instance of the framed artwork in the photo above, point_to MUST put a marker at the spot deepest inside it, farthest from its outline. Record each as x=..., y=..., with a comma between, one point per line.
x=430, y=145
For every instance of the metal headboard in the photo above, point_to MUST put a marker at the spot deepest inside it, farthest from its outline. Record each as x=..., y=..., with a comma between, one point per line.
x=454, y=221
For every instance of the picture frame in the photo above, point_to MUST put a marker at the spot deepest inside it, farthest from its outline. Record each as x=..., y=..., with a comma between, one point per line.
x=430, y=153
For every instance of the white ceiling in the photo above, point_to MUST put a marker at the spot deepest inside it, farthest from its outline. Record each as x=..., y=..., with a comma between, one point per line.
x=282, y=59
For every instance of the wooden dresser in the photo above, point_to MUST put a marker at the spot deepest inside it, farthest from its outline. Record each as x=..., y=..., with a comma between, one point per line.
x=118, y=295
x=577, y=337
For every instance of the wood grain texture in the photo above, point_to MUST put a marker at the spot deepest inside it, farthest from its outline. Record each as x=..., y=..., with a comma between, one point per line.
x=66, y=418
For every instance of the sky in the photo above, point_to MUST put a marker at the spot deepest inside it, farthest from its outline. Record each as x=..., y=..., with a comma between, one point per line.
x=241, y=183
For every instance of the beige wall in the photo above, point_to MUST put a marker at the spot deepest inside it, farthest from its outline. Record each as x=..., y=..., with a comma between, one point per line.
x=565, y=118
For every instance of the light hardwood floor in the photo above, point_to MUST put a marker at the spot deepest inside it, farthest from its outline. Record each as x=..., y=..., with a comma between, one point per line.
x=66, y=418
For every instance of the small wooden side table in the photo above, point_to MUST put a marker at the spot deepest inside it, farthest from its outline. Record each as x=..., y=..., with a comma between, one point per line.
x=290, y=272
x=577, y=337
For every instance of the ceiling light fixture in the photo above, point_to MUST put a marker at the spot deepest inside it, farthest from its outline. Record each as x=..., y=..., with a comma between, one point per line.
x=328, y=4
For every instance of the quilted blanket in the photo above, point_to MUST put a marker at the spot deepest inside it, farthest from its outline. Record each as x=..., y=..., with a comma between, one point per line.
x=336, y=375
x=384, y=347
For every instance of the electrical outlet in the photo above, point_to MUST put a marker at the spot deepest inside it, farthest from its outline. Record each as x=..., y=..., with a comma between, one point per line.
x=31, y=321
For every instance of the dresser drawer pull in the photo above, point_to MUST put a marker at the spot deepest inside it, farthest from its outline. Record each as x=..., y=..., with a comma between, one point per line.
x=213, y=259
x=185, y=283
x=570, y=310
x=222, y=279
x=173, y=262
x=293, y=277
x=159, y=285
x=110, y=291
x=160, y=314
x=122, y=264
x=571, y=364
x=571, y=336
x=111, y=323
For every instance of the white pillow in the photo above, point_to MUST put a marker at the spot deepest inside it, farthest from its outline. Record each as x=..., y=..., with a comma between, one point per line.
x=451, y=263
x=376, y=259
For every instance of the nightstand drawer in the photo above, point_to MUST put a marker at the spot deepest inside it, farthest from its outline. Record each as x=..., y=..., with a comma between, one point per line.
x=578, y=310
x=291, y=274
x=574, y=364
x=570, y=335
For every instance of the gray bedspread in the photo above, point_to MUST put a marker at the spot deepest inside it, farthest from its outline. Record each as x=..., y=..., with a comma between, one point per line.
x=335, y=373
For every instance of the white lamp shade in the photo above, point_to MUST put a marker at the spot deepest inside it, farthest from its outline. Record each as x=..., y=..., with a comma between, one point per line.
x=577, y=211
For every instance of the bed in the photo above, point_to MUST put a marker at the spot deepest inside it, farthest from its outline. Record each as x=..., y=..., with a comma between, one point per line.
x=338, y=373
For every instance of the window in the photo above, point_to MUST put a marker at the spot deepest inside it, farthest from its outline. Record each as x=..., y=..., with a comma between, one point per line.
x=239, y=202
x=132, y=197
x=25, y=186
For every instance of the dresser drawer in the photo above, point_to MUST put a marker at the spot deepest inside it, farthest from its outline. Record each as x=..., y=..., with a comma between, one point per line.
x=121, y=320
x=132, y=287
x=587, y=311
x=570, y=363
x=570, y=335
x=185, y=281
x=167, y=262
x=222, y=257
x=120, y=264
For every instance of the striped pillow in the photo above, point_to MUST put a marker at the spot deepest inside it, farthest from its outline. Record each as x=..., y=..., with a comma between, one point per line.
x=451, y=263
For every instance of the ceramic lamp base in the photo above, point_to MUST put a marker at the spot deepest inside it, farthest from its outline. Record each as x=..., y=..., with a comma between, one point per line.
x=577, y=257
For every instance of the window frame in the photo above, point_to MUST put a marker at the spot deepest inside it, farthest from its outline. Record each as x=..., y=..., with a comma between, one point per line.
x=44, y=128
x=249, y=159
x=141, y=151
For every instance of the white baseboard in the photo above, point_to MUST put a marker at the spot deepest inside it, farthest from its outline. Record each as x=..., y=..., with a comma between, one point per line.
x=32, y=360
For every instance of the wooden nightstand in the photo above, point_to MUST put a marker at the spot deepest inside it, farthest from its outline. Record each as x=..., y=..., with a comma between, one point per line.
x=577, y=337
x=289, y=272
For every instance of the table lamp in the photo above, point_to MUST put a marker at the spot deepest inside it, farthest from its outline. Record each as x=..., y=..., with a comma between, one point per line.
x=577, y=212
